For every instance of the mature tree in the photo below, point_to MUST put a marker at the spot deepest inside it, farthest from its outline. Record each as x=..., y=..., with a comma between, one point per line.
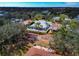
x=66, y=40
x=38, y=17
x=12, y=40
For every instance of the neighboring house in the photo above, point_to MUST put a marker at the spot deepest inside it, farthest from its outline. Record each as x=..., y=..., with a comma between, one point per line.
x=3, y=13
x=67, y=19
x=56, y=18
x=14, y=20
x=77, y=18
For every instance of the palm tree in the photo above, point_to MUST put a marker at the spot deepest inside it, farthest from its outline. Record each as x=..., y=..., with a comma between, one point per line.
x=38, y=17
x=38, y=25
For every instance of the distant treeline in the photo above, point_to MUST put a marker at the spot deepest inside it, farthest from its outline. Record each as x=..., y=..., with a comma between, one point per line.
x=70, y=11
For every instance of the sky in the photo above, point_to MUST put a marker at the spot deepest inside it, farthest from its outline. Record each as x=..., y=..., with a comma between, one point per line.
x=39, y=4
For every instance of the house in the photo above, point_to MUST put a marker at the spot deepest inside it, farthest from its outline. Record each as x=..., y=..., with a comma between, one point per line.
x=39, y=26
x=42, y=26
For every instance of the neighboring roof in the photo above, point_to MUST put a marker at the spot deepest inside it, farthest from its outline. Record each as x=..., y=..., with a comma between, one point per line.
x=56, y=18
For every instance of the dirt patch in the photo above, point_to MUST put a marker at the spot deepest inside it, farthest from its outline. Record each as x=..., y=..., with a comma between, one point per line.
x=40, y=51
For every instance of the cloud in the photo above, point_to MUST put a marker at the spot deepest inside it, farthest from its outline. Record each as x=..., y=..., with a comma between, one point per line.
x=72, y=4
